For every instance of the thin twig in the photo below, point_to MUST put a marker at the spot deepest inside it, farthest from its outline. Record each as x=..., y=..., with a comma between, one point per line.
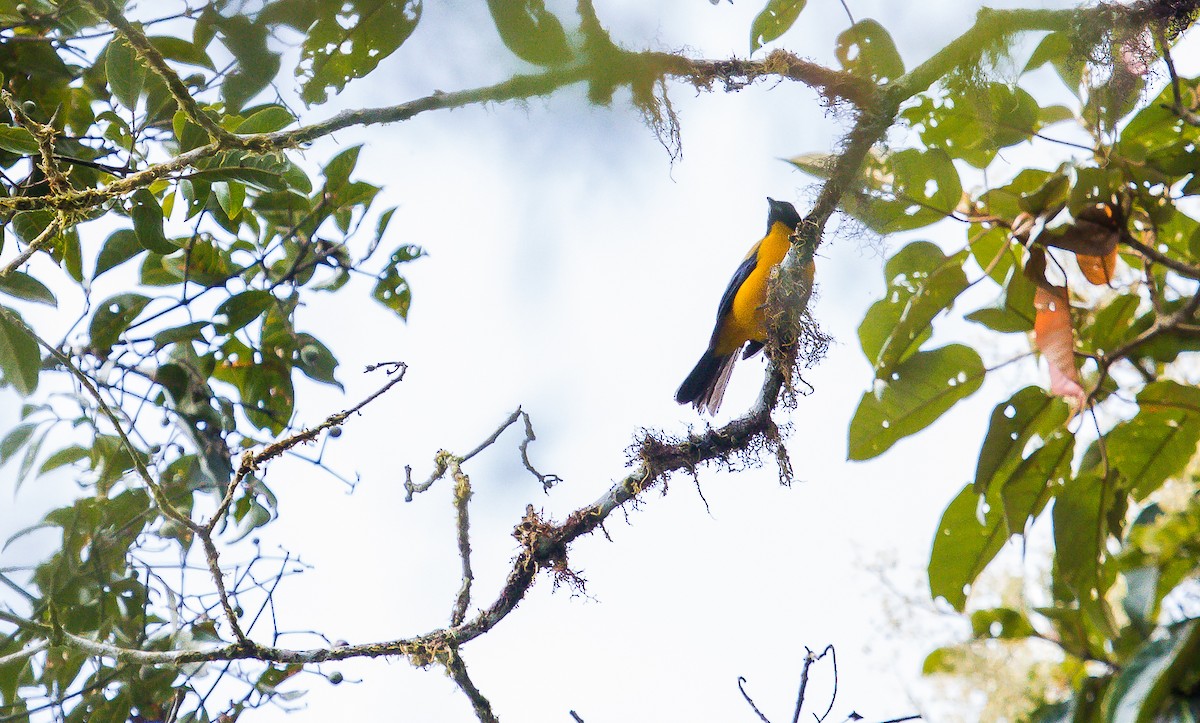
x=761, y=717
x=809, y=658
x=462, y=495
x=251, y=462
x=458, y=671
x=44, y=239
x=833, y=696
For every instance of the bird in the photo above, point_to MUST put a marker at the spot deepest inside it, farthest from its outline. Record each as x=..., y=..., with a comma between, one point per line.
x=741, y=315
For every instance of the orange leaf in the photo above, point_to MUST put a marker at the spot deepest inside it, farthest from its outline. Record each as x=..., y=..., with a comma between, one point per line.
x=1055, y=338
x=1098, y=269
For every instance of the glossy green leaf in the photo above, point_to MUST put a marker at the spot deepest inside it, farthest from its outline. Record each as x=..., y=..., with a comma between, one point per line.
x=112, y=317
x=120, y=246
x=773, y=21
x=866, y=49
x=315, y=360
x=63, y=457
x=20, y=358
x=391, y=289
x=901, y=191
x=530, y=31
x=915, y=395
x=1110, y=325
x=1141, y=689
x=15, y=440
x=203, y=263
x=1015, y=312
x=922, y=282
x=1027, y=414
x=1001, y=624
x=147, y=218
x=240, y=309
x=1058, y=50
x=1081, y=529
x=18, y=140
x=266, y=120
x=968, y=537
x=257, y=65
x=23, y=286
x=349, y=38
x=1160, y=440
x=126, y=73
x=231, y=195
x=1031, y=484
x=181, y=51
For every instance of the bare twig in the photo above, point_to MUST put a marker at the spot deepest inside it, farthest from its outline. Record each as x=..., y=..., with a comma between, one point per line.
x=759, y=713
x=462, y=494
x=458, y=671
x=809, y=658
x=443, y=459
x=251, y=462
x=44, y=239
x=24, y=653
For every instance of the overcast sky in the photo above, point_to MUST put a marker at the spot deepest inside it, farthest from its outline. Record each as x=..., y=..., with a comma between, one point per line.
x=573, y=270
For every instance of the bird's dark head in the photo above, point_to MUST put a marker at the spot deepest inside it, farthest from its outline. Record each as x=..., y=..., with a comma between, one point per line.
x=782, y=212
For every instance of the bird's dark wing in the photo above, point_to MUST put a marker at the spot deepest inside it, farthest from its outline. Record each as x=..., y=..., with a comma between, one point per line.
x=739, y=278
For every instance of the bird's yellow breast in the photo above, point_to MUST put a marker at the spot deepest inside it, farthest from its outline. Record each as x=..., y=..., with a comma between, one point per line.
x=747, y=319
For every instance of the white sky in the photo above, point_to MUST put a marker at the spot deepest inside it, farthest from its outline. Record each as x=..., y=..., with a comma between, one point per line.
x=572, y=270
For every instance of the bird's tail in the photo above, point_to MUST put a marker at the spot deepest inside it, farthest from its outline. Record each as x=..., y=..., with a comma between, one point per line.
x=705, y=386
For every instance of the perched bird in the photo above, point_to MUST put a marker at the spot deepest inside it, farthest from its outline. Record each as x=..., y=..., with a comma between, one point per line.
x=741, y=317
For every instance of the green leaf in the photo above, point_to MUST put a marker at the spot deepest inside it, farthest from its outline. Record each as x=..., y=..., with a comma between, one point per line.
x=148, y=223
x=774, y=20
x=1109, y=326
x=240, y=309
x=350, y=38
x=866, y=49
x=271, y=172
x=1142, y=597
x=1060, y=51
x=181, y=51
x=63, y=457
x=257, y=65
x=918, y=391
x=18, y=140
x=28, y=225
x=120, y=246
x=267, y=120
x=23, y=286
x=1015, y=312
x=20, y=359
x=204, y=263
x=1160, y=440
x=315, y=360
x=1028, y=413
x=391, y=289
x=1144, y=685
x=530, y=31
x=126, y=74
x=193, y=331
x=112, y=317
x=1081, y=530
x=231, y=196
x=975, y=121
x=968, y=537
x=1035, y=479
x=1001, y=624
x=922, y=282
x=15, y=440
x=900, y=191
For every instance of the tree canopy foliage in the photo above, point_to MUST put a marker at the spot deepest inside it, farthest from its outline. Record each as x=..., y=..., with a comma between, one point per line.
x=145, y=148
